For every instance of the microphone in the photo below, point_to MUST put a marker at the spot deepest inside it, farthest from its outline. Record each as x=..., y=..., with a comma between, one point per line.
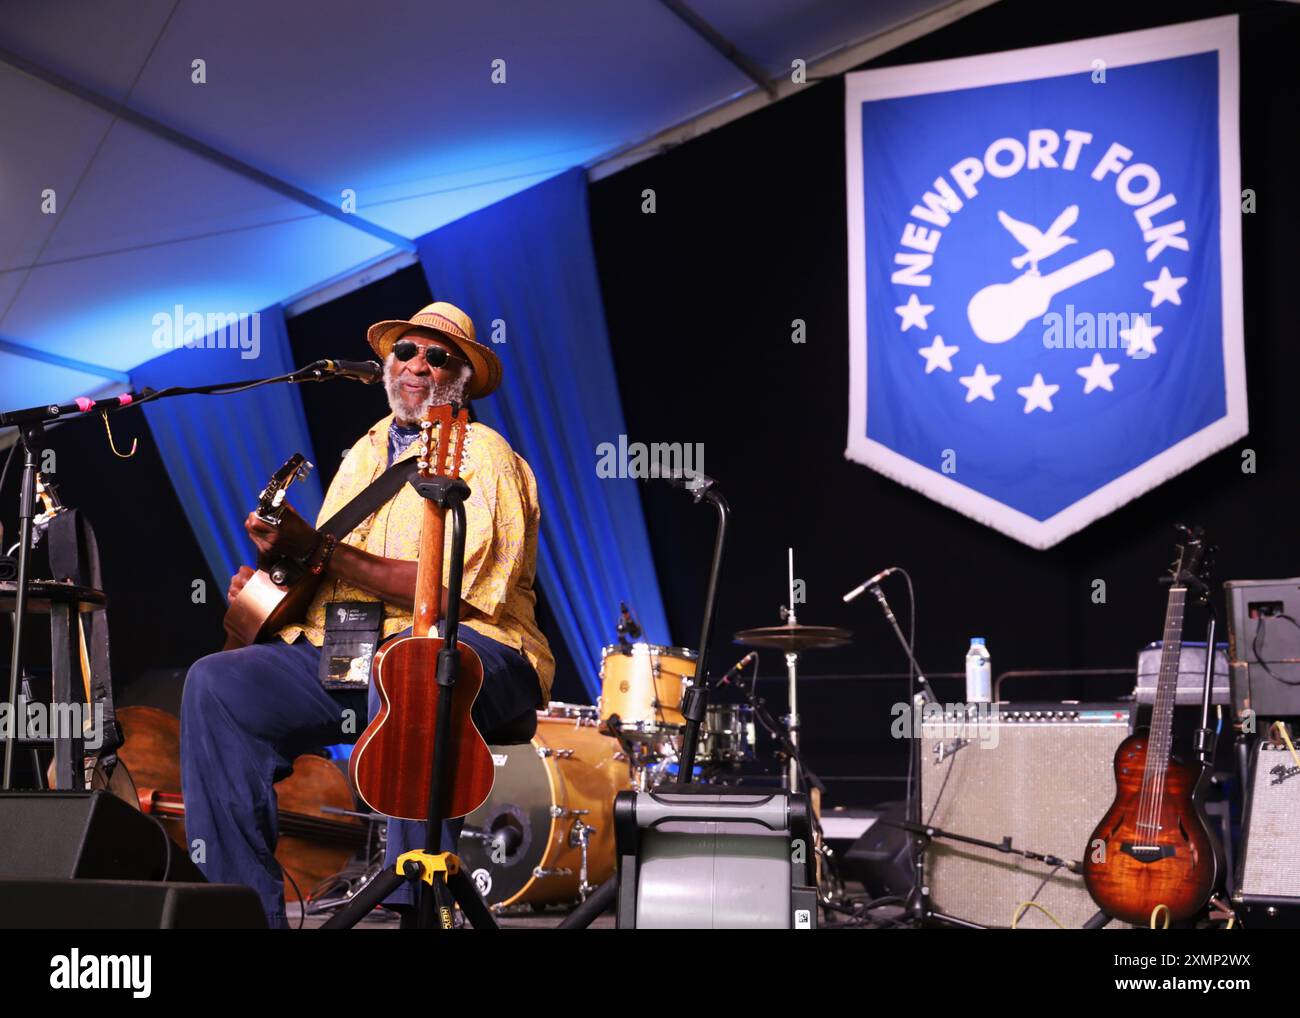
x=361, y=371
x=697, y=484
x=738, y=667
x=626, y=623
x=858, y=591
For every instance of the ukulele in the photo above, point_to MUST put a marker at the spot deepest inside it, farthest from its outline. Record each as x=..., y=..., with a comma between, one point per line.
x=278, y=593
x=1154, y=846
x=392, y=764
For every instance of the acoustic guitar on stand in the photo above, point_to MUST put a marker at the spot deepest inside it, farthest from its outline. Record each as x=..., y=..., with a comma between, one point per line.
x=391, y=764
x=1154, y=847
x=279, y=592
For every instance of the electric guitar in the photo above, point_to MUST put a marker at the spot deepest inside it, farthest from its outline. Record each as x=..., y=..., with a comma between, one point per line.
x=392, y=764
x=1154, y=846
x=278, y=593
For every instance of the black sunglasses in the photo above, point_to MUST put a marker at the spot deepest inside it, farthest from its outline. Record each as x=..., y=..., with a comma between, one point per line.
x=437, y=356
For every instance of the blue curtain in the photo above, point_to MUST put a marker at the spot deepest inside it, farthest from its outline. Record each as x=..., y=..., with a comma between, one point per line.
x=220, y=450
x=528, y=263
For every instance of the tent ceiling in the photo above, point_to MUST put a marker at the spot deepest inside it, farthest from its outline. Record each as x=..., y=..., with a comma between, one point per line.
x=392, y=100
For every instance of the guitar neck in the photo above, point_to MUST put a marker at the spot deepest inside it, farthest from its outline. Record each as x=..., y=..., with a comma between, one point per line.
x=428, y=574
x=1076, y=272
x=1162, y=713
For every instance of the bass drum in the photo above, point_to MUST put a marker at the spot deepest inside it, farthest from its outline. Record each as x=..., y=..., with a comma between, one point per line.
x=524, y=846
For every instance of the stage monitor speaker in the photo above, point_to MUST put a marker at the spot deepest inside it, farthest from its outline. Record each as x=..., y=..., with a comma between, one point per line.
x=127, y=905
x=1268, y=882
x=85, y=835
x=714, y=857
x=882, y=858
x=1039, y=774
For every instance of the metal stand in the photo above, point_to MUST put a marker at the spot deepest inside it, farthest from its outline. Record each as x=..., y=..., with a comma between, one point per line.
x=30, y=435
x=790, y=779
x=448, y=884
x=695, y=702
x=919, y=907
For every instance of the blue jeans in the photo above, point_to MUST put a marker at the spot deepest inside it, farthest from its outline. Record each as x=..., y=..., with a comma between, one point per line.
x=247, y=714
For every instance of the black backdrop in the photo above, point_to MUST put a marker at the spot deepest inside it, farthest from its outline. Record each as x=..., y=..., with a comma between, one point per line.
x=749, y=234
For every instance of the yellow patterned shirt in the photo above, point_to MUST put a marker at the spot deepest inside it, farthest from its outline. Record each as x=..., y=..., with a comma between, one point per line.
x=501, y=516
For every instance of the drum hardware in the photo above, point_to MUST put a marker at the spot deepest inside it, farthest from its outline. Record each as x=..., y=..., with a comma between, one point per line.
x=792, y=638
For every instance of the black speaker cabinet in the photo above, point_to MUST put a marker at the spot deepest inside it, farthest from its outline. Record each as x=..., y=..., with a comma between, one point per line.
x=127, y=905
x=87, y=836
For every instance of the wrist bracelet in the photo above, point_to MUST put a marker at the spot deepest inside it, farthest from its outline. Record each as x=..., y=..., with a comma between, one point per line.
x=327, y=546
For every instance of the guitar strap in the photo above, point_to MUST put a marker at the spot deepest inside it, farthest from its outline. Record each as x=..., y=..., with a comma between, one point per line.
x=370, y=499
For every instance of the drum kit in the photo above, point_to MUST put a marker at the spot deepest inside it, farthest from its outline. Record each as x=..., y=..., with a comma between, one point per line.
x=545, y=836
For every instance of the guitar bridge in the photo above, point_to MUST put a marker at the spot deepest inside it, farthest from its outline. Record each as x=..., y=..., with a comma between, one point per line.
x=1147, y=853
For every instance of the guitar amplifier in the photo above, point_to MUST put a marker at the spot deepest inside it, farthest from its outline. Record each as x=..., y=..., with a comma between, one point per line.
x=1039, y=774
x=1268, y=882
x=1191, y=675
x=1264, y=646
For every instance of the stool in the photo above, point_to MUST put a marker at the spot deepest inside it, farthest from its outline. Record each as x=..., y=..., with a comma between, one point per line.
x=59, y=600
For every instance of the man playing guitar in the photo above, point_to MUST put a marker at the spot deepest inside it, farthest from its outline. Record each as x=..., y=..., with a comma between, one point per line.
x=247, y=713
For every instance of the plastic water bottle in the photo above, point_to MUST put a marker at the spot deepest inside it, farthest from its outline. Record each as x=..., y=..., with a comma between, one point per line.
x=979, y=672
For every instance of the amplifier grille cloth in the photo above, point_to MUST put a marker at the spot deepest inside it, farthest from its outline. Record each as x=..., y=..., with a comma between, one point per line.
x=1044, y=785
x=1272, y=863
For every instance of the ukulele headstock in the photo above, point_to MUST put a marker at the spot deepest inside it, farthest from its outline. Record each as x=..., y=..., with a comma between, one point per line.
x=442, y=440
x=271, y=500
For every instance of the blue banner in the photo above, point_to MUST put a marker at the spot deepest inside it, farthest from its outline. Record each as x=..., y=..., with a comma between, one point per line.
x=1045, y=273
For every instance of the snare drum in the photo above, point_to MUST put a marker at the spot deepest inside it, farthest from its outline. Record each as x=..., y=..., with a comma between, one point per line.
x=643, y=684
x=727, y=736
x=581, y=714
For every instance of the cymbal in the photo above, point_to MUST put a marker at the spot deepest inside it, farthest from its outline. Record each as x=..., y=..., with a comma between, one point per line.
x=795, y=637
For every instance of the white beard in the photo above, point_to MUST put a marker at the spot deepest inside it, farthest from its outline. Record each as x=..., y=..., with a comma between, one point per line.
x=440, y=393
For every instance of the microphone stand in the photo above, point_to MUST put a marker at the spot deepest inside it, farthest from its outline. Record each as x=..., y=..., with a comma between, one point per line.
x=921, y=694
x=695, y=702
x=31, y=422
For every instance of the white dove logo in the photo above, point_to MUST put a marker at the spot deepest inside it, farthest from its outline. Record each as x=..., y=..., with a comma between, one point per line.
x=1038, y=245
x=998, y=312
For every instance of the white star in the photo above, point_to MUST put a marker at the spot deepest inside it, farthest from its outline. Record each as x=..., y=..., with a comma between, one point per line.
x=1038, y=396
x=937, y=355
x=979, y=384
x=1140, y=339
x=913, y=313
x=1166, y=287
x=1097, y=375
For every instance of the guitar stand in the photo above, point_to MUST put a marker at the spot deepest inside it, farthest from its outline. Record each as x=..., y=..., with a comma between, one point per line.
x=441, y=871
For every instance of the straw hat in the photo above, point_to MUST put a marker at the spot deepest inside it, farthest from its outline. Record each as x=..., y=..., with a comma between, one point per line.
x=451, y=323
